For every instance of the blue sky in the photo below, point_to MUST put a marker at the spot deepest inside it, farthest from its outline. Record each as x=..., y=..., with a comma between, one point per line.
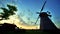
x=27, y=9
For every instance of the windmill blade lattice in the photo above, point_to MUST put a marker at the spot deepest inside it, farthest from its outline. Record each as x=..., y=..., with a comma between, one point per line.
x=41, y=11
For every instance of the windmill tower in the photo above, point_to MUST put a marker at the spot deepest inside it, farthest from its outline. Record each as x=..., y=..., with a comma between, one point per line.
x=45, y=21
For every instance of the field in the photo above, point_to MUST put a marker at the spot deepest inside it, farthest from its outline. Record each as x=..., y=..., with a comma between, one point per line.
x=29, y=32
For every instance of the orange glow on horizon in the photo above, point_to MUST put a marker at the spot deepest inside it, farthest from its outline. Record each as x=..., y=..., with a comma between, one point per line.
x=15, y=20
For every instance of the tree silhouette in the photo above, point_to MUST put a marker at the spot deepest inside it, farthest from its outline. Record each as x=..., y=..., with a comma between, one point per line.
x=7, y=12
x=11, y=9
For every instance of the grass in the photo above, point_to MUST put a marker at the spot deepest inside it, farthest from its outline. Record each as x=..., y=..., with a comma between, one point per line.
x=29, y=32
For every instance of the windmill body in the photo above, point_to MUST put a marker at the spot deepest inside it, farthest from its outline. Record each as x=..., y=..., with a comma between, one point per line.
x=45, y=22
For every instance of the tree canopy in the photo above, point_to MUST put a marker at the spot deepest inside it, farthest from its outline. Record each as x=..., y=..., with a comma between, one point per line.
x=7, y=12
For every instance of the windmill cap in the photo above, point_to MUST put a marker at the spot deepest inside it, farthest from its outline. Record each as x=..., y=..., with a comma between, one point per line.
x=44, y=14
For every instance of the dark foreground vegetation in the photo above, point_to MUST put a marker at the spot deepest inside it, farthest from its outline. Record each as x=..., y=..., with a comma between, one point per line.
x=13, y=29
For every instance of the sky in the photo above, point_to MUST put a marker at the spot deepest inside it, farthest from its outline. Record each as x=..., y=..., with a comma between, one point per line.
x=27, y=10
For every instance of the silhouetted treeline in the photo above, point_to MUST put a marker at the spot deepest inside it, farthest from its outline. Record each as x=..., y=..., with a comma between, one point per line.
x=10, y=28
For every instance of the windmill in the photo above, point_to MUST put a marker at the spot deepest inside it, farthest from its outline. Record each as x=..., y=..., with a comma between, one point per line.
x=45, y=21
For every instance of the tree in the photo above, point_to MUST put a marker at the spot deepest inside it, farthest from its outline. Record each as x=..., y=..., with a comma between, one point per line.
x=8, y=12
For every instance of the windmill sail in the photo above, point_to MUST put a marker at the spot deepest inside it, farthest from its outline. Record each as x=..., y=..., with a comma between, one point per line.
x=41, y=11
x=37, y=20
x=43, y=6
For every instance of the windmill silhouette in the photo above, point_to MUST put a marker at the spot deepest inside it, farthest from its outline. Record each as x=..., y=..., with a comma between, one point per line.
x=45, y=21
